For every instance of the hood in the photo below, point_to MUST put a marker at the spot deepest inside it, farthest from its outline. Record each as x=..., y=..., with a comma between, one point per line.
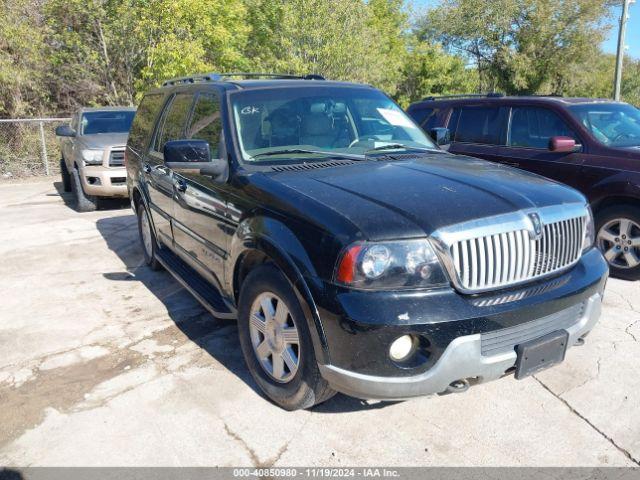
x=103, y=140
x=410, y=198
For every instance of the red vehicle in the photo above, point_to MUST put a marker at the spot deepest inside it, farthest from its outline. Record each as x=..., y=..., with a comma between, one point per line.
x=592, y=145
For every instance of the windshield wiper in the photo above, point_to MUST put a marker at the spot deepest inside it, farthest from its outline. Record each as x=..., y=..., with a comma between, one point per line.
x=286, y=151
x=394, y=146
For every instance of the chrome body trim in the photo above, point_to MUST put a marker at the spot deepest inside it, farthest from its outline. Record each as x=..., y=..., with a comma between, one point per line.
x=511, y=249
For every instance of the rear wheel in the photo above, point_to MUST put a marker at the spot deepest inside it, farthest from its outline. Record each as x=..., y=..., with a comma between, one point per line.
x=84, y=203
x=147, y=239
x=66, y=177
x=276, y=342
x=618, y=239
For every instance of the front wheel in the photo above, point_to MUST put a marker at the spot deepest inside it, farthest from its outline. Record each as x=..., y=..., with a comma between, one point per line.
x=66, y=177
x=276, y=342
x=84, y=202
x=618, y=239
x=147, y=239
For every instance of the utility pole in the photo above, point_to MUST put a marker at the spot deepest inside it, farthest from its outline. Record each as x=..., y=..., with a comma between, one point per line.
x=620, y=52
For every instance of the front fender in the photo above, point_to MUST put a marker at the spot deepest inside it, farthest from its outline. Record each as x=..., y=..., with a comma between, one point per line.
x=280, y=244
x=621, y=184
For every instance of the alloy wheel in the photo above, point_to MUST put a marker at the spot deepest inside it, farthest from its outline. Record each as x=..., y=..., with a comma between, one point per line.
x=274, y=337
x=619, y=241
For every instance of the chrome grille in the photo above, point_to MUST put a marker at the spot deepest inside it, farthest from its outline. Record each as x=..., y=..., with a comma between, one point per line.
x=504, y=251
x=116, y=158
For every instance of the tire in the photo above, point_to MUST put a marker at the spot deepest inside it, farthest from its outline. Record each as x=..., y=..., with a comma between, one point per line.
x=66, y=177
x=148, y=239
x=618, y=228
x=84, y=203
x=298, y=388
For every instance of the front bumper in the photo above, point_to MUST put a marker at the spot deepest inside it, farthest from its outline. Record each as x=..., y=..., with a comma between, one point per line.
x=103, y=181
x=360, y=326
x=461, y=360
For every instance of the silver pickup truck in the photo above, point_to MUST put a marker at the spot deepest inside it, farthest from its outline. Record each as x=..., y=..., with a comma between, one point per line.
x=92, y=162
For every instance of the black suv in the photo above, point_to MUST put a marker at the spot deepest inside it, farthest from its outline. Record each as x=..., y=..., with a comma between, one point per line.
x=355, y=254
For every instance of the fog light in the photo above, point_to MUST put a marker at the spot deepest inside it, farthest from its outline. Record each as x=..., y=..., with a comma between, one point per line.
x=401, y=348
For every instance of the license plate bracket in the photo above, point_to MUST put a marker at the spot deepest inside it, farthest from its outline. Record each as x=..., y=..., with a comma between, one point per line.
x=541, y=353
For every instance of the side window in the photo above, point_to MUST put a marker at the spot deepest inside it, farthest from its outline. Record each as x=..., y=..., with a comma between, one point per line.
x=173, y=120
x=532, y=127
x=431, y=121
x=421, y=115
x=206, y=123
x=479, y=125
x=427, y=118
x=142, y=126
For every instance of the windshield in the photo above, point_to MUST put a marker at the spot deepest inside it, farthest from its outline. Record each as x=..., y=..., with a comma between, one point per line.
x=106, y=122
x=316, y=122
x=612, y=124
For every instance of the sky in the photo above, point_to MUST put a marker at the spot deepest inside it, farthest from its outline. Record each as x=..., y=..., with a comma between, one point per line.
x=633, y=27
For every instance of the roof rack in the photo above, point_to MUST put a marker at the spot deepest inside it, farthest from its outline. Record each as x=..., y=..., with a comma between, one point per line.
x=555, y=95
x=464, y=95
x=219, y=77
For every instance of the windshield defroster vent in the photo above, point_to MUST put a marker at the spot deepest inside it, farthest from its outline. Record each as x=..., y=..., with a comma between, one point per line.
x=311, y=165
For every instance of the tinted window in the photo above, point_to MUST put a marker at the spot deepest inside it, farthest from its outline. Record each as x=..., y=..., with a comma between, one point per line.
x=431, y=121
x=106, y=122
x=421, y=114
x=205, y=122
x=174, y=120
x=142, y=125
x=614, y=124
x=479, y=125
x=427, y=118
x=533, y=127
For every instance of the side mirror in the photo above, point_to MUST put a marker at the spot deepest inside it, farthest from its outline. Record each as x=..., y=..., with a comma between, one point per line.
x=562, y=144
x=192, y=156
x=65, y=131
x=441, y=136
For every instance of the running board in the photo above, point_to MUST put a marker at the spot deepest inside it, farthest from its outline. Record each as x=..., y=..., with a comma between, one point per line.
x=197, y=286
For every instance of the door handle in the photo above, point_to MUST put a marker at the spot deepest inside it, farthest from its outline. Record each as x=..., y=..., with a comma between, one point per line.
x=146, y=168
x=181, y=185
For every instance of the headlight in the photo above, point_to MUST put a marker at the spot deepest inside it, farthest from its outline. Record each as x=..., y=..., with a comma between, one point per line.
x=589, y=231
x=392, y=265
x=92, y=157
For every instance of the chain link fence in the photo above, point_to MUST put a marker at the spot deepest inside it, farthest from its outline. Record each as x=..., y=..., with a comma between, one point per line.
x=29, y=147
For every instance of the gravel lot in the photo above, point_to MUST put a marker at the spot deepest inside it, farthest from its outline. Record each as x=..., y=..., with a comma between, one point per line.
x=104, y=362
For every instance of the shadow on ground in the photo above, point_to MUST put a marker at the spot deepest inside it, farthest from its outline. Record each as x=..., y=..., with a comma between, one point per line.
x=10, y=474
x=209, y=333
x=105, y=203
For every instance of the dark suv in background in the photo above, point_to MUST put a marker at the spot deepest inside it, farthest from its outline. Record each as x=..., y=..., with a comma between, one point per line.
x=356, y=255
x=592, y=145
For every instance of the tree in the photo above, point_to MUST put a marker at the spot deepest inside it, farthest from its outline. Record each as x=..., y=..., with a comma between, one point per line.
x=182, y=37
x=340, y=39
x=428, y=70
x=389, y=24
x=521, y=46
x=107, y=51
x=22, y=61
x=78, y=50
x=594, y=79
